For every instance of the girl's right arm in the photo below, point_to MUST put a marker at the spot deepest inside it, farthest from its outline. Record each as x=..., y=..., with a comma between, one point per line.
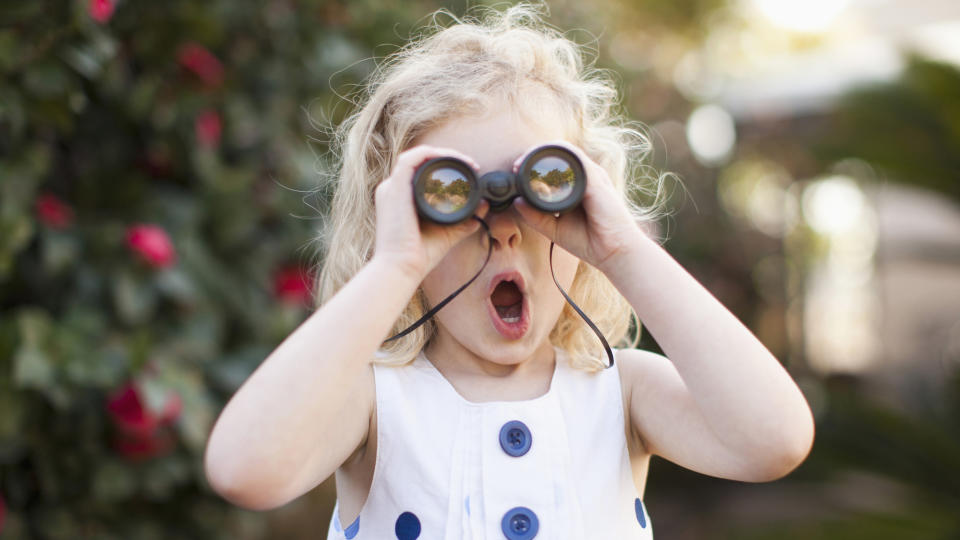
x=307, y=408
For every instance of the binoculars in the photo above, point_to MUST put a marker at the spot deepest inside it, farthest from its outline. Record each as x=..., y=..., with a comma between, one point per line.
x=550, y=178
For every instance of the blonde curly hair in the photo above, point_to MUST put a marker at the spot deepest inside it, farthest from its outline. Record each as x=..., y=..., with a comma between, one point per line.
x=466, y=68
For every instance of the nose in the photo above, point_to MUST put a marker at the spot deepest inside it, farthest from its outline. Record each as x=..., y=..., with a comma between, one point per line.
x=505, y=228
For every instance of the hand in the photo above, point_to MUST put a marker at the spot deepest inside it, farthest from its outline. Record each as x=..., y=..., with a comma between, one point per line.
x=415, y=246
x=599, y=229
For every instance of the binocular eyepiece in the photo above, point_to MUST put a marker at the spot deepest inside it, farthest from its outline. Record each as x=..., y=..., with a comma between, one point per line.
x=550, y=178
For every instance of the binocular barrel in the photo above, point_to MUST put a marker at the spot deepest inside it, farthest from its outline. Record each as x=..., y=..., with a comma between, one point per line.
x=447, y=191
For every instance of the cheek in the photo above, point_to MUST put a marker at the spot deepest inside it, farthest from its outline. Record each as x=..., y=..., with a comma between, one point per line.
x=455, y=269
x=565, y=267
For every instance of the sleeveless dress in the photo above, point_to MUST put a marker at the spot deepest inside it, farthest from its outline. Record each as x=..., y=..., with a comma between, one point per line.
x=555, y=467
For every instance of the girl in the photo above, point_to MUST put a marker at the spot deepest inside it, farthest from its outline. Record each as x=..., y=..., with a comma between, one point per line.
x=476, y=424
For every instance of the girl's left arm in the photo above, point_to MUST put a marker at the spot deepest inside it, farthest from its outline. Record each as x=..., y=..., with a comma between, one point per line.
x=722, y=404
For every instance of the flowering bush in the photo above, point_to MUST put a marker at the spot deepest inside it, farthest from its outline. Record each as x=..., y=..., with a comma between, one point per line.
x=156, y=178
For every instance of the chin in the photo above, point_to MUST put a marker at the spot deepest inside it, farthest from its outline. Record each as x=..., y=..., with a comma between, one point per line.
x=507, y=353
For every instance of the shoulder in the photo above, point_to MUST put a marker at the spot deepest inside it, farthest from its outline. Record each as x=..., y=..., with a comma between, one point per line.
x=634, y=363
x=640, y=370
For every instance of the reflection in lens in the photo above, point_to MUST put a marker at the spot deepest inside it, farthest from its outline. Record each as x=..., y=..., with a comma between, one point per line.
x=552, y=179
x=446, y=190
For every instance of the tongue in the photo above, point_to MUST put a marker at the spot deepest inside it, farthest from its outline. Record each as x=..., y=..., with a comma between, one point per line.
x=506, y=294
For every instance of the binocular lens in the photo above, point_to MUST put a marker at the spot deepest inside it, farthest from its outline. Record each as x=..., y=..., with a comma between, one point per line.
x=552, y=179
x=446, y=190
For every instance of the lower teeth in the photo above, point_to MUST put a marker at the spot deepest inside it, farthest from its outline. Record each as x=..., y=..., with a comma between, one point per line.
x=511, y=319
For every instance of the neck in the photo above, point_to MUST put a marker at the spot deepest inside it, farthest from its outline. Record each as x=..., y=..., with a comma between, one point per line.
x=451, y=357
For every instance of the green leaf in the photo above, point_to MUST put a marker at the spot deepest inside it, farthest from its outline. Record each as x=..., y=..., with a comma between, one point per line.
x=12, y=112
x=32, y=368
x=12, y=405
x=163, y=475
x=174, y=283
x=141, y=100
x=197, y=418
x=89, y=58
x=46, y=79
x=10, y=49
x=134, y=299
x=58, y=251
x=104, y=367
x=15, y=234
x=113, y=481
x=34, y=325
x=231, y=370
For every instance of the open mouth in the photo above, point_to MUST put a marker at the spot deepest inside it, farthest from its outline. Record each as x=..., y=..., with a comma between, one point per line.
x=508, y=301
x=508, y=306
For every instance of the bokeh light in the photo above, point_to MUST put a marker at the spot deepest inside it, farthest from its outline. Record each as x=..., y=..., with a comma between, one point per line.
x=833, y=204
x=809, y=16
x=711, y=134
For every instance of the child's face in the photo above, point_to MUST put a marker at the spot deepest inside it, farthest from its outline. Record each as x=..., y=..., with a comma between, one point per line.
x=469, y=324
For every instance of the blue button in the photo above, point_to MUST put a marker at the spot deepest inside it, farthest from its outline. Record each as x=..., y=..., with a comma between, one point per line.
x=515, y=438
x=638, y=508
x=407, y=527
x=353, y=529
x=520, y=523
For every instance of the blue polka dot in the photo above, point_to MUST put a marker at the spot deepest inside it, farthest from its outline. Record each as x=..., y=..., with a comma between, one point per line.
x=638, y=508
x=408, y=526
x=353, y=529
x=466, y=503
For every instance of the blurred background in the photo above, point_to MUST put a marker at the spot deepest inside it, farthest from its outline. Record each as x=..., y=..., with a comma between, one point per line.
x=159, y=202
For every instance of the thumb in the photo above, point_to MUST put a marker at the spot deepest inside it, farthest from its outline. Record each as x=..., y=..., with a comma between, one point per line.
x=543, y=222
x=471, y=225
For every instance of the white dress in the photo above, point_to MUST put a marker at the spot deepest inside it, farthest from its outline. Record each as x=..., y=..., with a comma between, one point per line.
x=553, y=467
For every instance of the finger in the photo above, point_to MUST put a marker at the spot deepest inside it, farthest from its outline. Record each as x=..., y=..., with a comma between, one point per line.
x=482, y=209
x=519, y=160
x=541, y=222
x=409, y=160
x=470, y=225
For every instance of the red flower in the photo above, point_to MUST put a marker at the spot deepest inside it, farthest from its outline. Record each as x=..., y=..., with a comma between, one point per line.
x=202, y=63
x=207, y=128
x=52, y=211
x=152, y=244
x=291, y=285
x=100, y=10
x=142, y=433
x=129, y=414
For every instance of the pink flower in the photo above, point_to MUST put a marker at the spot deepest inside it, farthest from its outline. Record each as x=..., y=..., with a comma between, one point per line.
x=100, y=10
x=140, y=432
x=291, y=285
x=207, y=128
x=152, y=244
x=202, y=63
x=53, y=212
x=130, y=415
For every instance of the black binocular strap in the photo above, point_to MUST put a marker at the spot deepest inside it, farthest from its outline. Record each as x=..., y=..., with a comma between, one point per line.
x=427, y=315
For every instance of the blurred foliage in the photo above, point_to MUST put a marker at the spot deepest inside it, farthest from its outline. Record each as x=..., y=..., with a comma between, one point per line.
x=117, y=350
x=910, y=128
